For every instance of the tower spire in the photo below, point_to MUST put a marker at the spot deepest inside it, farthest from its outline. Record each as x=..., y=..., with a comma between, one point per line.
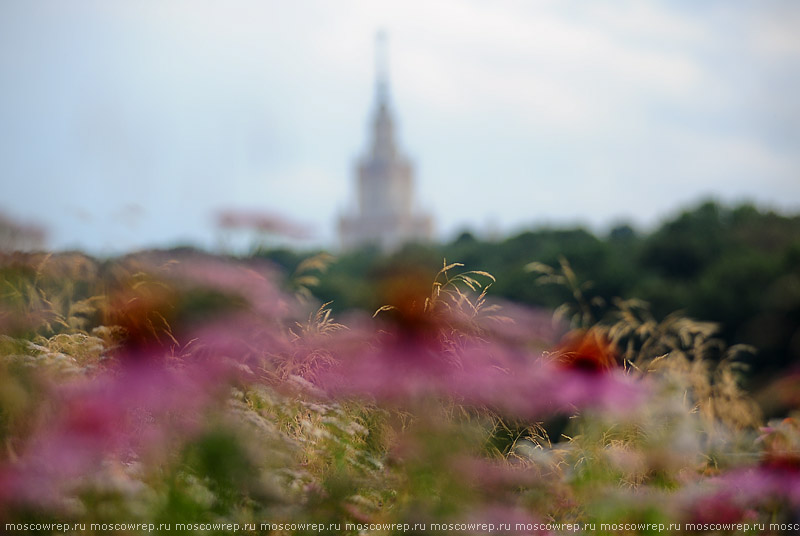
x=383, y=143
x=385, y=214
x=381, y=68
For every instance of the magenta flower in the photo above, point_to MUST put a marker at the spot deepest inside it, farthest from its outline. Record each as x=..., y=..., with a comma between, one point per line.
x=406, y=366
x=262, y=222
x=123, y=415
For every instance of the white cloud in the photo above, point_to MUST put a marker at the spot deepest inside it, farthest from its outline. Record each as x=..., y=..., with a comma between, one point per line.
x=566, y=109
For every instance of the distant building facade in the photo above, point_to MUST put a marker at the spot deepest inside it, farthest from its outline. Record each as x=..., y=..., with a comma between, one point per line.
x=385, y=213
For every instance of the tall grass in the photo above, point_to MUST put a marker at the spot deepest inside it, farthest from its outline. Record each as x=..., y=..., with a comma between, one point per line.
x=197, y=389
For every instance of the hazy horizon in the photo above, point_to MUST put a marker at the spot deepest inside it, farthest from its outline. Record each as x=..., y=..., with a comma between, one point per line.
x=125, y=126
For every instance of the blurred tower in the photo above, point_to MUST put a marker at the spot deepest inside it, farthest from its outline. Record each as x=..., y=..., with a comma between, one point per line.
x=385, y=215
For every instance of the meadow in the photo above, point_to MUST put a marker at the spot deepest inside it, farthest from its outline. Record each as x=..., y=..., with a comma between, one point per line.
x=183, y=392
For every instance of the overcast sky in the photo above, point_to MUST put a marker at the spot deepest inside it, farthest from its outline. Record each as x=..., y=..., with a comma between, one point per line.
x=130, y=124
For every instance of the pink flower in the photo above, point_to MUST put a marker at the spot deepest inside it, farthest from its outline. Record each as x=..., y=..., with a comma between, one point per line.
x=132, y=412
x=262, y=222
x=406, y=366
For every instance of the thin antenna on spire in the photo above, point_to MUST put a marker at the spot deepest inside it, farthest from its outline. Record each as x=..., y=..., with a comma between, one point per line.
x=382, y=66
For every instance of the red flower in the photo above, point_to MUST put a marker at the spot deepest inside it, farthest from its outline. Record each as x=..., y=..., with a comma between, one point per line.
x=588, y=351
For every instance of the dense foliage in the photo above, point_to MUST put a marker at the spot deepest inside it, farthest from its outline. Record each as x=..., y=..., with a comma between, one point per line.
x=739, y=267
x=191, y=391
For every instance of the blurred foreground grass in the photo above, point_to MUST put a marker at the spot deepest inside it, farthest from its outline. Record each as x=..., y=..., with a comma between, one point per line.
x=186, y=388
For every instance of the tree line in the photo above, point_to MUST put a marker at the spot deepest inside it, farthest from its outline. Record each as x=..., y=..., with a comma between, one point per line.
x=738, y=266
